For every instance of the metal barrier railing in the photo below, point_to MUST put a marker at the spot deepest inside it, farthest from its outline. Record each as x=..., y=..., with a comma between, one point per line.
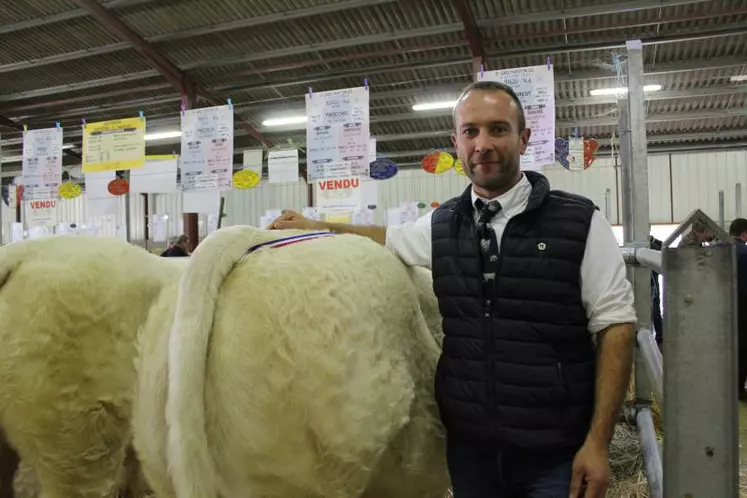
x=694, y=379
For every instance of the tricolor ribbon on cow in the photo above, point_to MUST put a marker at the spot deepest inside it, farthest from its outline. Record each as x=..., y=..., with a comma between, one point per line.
x=286, y=241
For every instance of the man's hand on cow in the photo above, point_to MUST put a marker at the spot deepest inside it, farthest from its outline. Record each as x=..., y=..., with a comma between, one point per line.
x=591, y=471
x=292, y=220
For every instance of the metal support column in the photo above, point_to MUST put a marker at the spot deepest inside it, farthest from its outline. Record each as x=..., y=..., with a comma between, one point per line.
x=191, y=225
x=721, y=210
x=637, y=227
x=128, y=211
x=738, y=200
x=701, y=436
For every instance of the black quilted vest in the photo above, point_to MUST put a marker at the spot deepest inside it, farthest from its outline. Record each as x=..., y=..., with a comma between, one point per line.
x=518, y=366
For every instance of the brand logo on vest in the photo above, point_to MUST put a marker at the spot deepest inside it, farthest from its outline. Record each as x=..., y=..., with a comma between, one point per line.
x=541, y=246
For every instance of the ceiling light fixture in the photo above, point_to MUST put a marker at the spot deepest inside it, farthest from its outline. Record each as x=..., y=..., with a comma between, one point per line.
x=163, y=135
x=598, y=92
x=738, y=78
x=290, y=120
x=431, y=106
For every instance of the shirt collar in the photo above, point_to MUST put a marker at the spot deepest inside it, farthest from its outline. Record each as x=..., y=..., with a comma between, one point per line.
x=516, y=197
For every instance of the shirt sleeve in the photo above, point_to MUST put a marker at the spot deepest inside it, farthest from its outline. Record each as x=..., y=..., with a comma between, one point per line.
x=411, y=241
x=606, y=292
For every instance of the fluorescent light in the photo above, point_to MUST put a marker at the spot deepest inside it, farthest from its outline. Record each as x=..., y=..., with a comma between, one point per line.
x=738, y=78
x=68, y=146
x=12, y=159
x=430, y=106
x=163, y=135
x=619, y=90
x=290, y=120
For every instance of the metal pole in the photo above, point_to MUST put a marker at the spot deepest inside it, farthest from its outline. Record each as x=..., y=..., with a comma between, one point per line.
x=738, y=200
x=721, y=217
x=650, y=353
x=607, y=201
x=701, y=435
x=650, y=449
x=128, y=213
x=638, y=210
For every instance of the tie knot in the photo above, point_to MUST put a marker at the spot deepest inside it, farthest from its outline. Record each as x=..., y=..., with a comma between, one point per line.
x=487, y=210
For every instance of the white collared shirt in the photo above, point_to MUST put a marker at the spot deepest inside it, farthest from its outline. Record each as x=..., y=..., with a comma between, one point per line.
x=606, y=292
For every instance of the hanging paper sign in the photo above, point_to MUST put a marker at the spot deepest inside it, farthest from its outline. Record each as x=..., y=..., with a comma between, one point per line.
x=206, y=162
x=118, y=187
x=337, y=134
x=590, y=149
x=69, y=190
x=113, y=145
x=575, y=154
x=245, y=179
x=383, y=169
x=458, y=167
x=437, y=162
x=42, y=162
x=535, y=87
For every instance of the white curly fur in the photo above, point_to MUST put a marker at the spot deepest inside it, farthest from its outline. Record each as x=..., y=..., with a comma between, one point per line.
x=303, y=371
x=71, y=310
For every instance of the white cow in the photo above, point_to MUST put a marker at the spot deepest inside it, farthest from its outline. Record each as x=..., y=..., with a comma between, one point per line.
x=71, y=309
x=299, y=371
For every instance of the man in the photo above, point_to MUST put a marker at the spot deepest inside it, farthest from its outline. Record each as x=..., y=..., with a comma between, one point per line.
x=738, y=230
x=178, y=249
x=656, y=317
x=526, y=279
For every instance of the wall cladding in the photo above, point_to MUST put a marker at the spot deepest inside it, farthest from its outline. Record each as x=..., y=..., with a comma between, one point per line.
x=678, y=184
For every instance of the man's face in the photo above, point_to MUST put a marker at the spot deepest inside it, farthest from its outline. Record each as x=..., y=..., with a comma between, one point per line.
x=488, y=140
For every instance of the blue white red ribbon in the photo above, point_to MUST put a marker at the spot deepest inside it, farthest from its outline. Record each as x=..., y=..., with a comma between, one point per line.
x=286, y=241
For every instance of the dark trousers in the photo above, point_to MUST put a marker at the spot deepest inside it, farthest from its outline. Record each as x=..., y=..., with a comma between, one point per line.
x=489, y=472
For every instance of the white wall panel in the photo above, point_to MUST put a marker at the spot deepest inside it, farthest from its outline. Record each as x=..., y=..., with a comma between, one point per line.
x=245, y=207
x=697, y=179
x=659, y=192
x=169, y=205
x=415, y=185
x=597, y=183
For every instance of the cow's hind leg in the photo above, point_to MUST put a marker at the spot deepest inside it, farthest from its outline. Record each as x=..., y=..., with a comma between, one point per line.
x=9, y=462
x=80, y=454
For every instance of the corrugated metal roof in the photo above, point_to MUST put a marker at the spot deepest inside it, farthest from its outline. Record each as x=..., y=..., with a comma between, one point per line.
x=265, y=54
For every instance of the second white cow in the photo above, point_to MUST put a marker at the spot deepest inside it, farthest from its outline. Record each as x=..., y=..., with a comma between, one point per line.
x=301, y=369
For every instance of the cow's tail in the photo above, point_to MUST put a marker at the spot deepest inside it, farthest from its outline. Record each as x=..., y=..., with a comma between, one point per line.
x=190, y=463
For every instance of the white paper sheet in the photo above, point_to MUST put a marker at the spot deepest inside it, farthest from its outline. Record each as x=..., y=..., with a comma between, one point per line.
x=159, y=227
x=98, y=199
x=311, y=213
x=535, y=87
x=42, y=163
x=41, y=213
x=253, y=160
x=339, y=194
x=337, y=134
x=157, y=176
x=282, y=166
x=16, y=233
x=207, y=149
x=201, y=202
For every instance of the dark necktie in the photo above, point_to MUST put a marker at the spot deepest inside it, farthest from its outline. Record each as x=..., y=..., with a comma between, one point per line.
x=488, y=244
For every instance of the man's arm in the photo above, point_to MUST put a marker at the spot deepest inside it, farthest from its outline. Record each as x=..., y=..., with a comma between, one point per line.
x=614, y=364
x=373, y=232
x=411, y=241
x=608, y=299
x=291, y=220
